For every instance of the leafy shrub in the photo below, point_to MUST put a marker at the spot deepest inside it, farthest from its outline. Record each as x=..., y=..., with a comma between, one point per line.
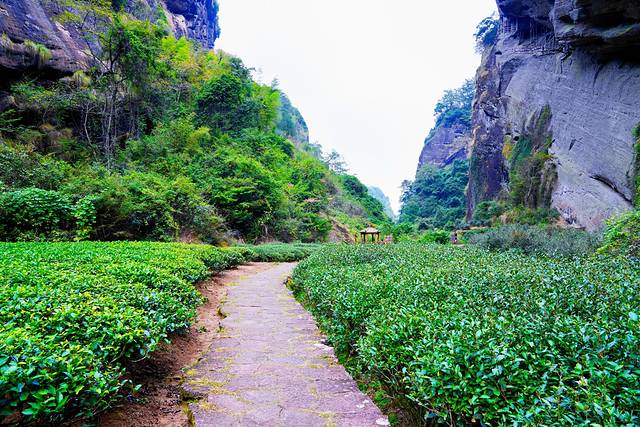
x=72, y=313
x=398, y=231
x=21, y=167
x=84, y=213
x=528, y=216
x=461, y=335
x=145, y=206
x=488, y=212
x=552, y=241
x=622, y=235
x=34, y=213
x=441, y=237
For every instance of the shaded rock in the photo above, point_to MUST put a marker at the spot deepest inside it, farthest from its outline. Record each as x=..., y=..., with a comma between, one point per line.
x=597, y=23
x=25, y=22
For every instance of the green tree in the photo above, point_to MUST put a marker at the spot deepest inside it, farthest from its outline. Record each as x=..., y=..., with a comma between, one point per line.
x=487, y=33
x=436, y=198
x=455, y=106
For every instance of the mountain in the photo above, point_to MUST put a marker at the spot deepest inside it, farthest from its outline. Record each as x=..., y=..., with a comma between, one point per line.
x=556, y=115
x=379, y=195
x=450, y=139
x=436, y=198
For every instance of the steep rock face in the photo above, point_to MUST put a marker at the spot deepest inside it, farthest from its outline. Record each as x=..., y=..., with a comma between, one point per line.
x=24, y=22
x=195, y=19
x=569, y=58
x=444, y=145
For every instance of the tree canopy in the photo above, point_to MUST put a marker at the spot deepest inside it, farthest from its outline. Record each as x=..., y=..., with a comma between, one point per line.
x=455, y=106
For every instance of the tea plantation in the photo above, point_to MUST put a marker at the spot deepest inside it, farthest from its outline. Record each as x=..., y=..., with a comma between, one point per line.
x=461, y=335
x=71, y=314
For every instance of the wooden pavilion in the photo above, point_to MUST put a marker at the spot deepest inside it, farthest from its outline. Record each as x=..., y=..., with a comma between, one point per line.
x=370, y=231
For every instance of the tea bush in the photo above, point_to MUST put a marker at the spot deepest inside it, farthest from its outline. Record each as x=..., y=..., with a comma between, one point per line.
x=435, y=236
x=461, y=335
x=281, y=252
x=72, y=313
x=530, y=239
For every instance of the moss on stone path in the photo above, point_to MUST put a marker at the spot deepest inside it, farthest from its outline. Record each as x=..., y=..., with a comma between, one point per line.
x=269, y=366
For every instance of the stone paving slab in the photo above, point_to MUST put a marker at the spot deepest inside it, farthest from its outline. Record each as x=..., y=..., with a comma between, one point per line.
x=269, y=366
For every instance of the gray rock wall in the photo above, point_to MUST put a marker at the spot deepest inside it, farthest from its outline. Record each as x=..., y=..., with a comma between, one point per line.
x=592, y=89
x=35, y=21
x=444, y=146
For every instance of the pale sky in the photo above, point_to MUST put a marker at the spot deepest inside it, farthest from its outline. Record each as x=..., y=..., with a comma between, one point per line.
x=365, y=74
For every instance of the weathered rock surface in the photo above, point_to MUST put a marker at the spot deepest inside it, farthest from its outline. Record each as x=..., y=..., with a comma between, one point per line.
x=444, y=145
x=25, y=21
x=570, y=56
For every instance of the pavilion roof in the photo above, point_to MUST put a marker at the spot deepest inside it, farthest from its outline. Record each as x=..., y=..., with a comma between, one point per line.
x=370, y=230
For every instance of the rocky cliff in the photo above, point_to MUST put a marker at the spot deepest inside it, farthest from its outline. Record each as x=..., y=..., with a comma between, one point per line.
x=444, y=145
x=559, y=92
x=34, y=37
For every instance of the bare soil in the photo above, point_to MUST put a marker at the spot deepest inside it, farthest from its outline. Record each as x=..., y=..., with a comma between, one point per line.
x=159, y=401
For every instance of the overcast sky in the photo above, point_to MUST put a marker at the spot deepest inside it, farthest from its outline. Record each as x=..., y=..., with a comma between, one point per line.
x=365, y=74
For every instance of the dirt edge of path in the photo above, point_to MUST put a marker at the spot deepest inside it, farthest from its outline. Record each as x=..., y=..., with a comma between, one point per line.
x=159, y=402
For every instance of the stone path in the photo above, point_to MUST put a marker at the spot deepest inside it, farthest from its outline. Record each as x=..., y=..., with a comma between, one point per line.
x=270, y=367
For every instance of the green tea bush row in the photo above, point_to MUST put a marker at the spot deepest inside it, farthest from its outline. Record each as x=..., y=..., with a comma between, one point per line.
x=281, y=252
x=70, y=314
x=462, y=335
x=541, y=240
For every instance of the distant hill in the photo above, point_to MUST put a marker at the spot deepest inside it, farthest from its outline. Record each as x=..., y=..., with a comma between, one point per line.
x=379, y=195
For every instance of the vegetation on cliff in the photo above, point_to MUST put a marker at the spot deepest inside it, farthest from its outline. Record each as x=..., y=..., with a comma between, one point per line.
x=161, y=139
x=454, y=108
x=436, y=198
